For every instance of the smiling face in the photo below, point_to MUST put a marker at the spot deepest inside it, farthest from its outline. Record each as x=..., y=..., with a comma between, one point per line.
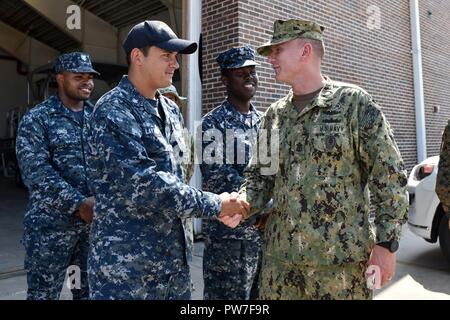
x=286, y=60
x=76, y=86
x=158, y=67
x=241, y=83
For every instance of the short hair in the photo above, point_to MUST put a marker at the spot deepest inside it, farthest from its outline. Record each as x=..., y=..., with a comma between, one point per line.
x=144, y=50
x=225, y=72
x=318, y=47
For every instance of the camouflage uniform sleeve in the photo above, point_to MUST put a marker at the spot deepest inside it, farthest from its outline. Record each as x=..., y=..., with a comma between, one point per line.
x=131, y=169
x=188, y=166
x=257, y=187
x=33, y=155
x=384, y=169
x=218, y=177
x=443, y=175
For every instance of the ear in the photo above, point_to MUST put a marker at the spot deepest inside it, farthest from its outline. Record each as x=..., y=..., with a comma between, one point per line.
x=59, y=78
x=224, y=80
x=307, y=50
x=136, y=56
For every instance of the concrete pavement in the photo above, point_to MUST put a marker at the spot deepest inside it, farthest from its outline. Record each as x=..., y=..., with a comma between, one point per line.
x=417, y=277
x=422, y=272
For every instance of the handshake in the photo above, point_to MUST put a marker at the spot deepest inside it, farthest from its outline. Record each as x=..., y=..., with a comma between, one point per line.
x=234, y=209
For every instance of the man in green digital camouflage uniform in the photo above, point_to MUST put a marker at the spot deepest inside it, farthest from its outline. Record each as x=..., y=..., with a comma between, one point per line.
x=334, y=146
x=443, y=175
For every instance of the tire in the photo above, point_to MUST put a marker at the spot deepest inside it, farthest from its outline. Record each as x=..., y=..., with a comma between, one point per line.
x=444, y=237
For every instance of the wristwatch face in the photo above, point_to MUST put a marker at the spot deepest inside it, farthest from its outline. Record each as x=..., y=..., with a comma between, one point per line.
x=393, y=246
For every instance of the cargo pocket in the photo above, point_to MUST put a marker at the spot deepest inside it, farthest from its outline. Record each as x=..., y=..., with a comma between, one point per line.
x=220, y=256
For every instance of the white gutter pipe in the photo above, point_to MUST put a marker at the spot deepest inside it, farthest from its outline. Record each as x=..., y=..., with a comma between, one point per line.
x=193, y=25
x=418, y=82
x=192, y=83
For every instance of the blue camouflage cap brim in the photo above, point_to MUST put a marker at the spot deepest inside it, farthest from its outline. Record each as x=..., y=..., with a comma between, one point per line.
x=245, y=63
x=82, y=70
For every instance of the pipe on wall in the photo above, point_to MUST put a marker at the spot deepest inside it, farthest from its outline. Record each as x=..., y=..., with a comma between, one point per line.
x=418, y=82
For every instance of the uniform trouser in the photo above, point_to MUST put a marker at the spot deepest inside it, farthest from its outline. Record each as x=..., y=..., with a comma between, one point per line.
x=173, y=286
x=48, y=254
x=230, y=269
x=295, y=282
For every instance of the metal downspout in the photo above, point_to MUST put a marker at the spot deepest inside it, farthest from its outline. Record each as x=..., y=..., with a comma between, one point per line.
x=418, y=82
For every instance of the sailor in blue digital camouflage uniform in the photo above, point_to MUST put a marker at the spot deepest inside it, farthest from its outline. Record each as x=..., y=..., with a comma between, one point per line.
x=231, y=256
x=172, y=93
x=139, y=245
x=51, y=155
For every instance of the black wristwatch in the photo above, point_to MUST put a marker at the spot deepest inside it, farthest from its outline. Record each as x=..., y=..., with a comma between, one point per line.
x=392, y=245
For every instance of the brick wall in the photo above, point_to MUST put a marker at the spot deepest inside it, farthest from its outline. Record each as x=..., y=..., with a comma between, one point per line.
x=219, y=32
x=378, y=59
x=436, y=68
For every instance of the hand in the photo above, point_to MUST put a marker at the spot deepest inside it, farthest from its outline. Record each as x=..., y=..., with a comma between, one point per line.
x=233, y=204
x=231, y=222
x=385, y=260
x=86, y=209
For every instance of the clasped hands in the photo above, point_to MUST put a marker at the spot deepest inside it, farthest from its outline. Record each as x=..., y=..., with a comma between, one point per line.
x=234, y=209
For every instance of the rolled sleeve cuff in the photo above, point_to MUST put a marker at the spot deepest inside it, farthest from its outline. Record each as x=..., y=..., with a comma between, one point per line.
x=388, y=231
x=254, y=205
x=77, y=201
x=212, y=205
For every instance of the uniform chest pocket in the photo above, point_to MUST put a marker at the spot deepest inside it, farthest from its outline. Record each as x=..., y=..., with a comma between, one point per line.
x=155, y=140
x=63, y=139
x=159, y=151
x=331, y=154
x=330, y=142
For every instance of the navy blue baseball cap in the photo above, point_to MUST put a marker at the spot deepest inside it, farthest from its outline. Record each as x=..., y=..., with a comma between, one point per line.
x=157, y=33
